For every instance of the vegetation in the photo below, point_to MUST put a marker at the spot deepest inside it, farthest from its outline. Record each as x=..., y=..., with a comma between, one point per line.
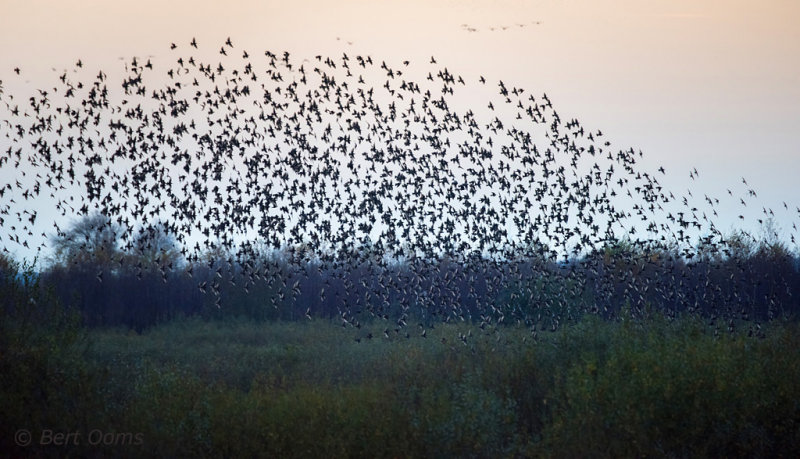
x=100, y=357
x=193, y=387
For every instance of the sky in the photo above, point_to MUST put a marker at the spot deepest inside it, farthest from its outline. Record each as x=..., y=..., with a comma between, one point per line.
x=712, y=85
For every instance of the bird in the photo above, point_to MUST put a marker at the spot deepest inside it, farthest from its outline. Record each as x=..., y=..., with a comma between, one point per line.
x=357, y=168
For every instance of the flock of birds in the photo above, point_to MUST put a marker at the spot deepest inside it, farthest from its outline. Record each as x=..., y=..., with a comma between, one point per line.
x=499, y=28
x=336, y=161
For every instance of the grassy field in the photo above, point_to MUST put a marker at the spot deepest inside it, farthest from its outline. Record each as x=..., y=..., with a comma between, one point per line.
x=310, y=389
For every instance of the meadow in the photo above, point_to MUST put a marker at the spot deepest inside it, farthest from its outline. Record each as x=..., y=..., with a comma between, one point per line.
x=240, y=388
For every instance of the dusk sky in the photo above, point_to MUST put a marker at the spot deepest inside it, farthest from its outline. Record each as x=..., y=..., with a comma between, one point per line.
x=708, y=84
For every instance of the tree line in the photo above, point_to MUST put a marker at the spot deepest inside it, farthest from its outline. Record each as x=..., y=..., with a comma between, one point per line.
x=151, y=279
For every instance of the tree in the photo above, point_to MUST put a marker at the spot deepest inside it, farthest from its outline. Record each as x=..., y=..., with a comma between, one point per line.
x=91, y=241
x=155, y=247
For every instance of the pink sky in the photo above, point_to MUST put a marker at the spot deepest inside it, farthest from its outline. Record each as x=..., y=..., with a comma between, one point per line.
x=707, y=84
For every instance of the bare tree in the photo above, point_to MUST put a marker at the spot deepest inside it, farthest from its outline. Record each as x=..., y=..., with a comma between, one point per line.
x=92, y=240
x=155, y=246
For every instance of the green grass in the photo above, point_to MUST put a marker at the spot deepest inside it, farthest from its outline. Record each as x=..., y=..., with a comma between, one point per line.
x=309, y=389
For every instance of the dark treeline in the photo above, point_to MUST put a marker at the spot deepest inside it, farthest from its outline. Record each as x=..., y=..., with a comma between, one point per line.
x=151, y=280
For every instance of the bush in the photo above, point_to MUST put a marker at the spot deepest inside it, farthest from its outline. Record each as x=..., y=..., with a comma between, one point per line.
x=46, y=381
x=635, y=387
x=677, y=390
